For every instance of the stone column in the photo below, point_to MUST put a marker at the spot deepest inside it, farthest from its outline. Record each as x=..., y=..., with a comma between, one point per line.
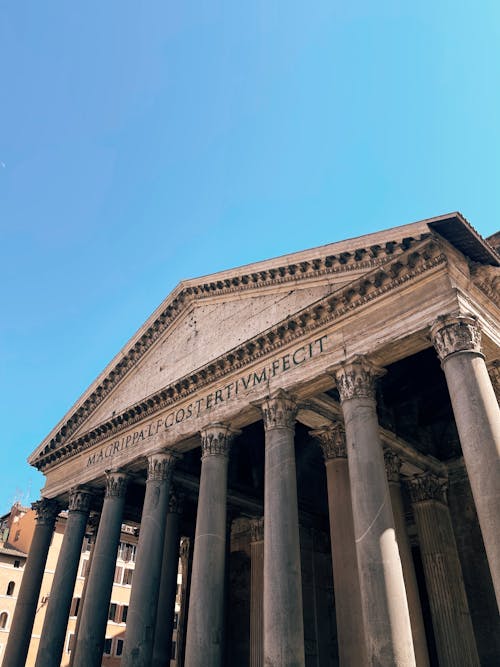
x=55, y=623
x=348, y=610
x=256, y=592
x=94, y=614
x=283, y=615
x=477, y=416
x=24, y=614
x=385, y=609
x=443, y=575
x=168, y=585
x=392, y=466
x=141, y=616
x=206, y=600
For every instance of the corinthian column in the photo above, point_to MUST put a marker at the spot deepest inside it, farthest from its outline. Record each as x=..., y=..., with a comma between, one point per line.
x=206, y=600
x=141, y=617
x=94, y=614
x=56, y=618
x=283, y=619
x=477, y=416
x=351, y=639
x=392, y=466
x=383, y=596
x=24, y=614
x=256, y=591
x=443, y=575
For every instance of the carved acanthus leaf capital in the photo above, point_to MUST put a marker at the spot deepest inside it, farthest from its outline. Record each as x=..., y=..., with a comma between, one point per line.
x=332, y=441
x=46, y=510
x=427, y=487
x=116, y=483
x=392, y=465
x=216, y=440
x=456, y=334
x=257, y=529
x=80, y=499
x=356, y=378
x=279, y=411
x=160, y=466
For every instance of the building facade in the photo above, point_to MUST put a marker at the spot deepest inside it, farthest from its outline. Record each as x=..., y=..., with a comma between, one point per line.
x=323, y=430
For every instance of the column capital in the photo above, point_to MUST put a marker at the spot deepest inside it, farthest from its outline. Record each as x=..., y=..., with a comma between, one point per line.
x=427, y=487
x=80, y=499
x=46, y=510
x=356, y=378
x=216, y=440
x=279, y=411
x=332, y=441
x=451, y=334
x=116, y=483
x=175, y=502
x=160, y=465
x=392, y=465
x=257, y=529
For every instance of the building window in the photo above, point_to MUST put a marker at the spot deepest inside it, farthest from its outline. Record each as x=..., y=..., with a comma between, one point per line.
x=17, y=535
x=172, y=655
x=10, y=587
x=124, y=613
x=84, y=568
x=119, y=646
x=127, y=576
x=112, y=611
x=75, y=606
x=126, y=552
x=17, y=563
x=176, y=620
x=4, y=617
x=71, y=643
x=107, y=645
x=87, y=542
x=118, y=575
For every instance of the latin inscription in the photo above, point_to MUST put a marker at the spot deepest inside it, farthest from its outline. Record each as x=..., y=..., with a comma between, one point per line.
x=210, y=401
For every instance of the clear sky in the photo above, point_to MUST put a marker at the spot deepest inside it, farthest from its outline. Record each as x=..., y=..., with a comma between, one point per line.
x=144, y=143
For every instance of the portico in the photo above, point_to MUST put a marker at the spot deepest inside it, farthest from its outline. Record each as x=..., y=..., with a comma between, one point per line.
x=226, y=393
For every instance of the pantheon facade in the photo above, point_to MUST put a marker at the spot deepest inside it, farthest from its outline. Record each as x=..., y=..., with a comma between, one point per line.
x=322, y=430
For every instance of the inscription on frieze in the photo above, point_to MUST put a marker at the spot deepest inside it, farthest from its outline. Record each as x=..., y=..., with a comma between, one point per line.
x=208, y=402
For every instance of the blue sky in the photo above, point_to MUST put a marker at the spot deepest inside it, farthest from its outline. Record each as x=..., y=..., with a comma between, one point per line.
x=144, y=143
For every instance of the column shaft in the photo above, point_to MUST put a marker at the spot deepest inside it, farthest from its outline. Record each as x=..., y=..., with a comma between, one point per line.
x=56, y=618
x=283, y=615
x=452, y=624
x=24, y=614
x=477, y=416
x=206, y=600
x=94, y=614
x=256, y=593
x=141, y=617
x=166, y=600
x=385, y=608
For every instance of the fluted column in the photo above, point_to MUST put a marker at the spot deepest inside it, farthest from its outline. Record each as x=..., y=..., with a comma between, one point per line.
x=24, y=614
x=477, y=416
x=256, y=592
x=94, y=614
x=385, y=609
x=283, y=616
x=392, y=466
x=348, y=610
x=206, y=600
x=141, y=617
x=168, y=584
x=56, y=617
x=452, y=624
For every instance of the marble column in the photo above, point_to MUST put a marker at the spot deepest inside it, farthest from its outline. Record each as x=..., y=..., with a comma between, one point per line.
x=392, y=466
x=206, y=600
x=55, y=623
x=477, y=416
x=94, y=614
x=168, y=585
x=141, y=617
x=256, y=592
x=24, y=613
x=385, y=609
x=348, y=610
x=283, y=615
x=451, y=620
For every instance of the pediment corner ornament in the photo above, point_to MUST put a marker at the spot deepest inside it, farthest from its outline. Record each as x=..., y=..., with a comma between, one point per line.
x=357, y=378
x=160, y=466
x=80, y=500
x=332, y=441
x=116, y=483
x=46, y=510
x=427, y=487
x=279, y=411
x=451, y=334
x=216, y=440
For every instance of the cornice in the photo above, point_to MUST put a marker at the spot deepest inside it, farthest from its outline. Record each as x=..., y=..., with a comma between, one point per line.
x=415, y=258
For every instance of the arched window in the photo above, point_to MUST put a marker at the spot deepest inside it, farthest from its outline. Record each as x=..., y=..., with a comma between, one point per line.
x=10, y=588
x=4, y=617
